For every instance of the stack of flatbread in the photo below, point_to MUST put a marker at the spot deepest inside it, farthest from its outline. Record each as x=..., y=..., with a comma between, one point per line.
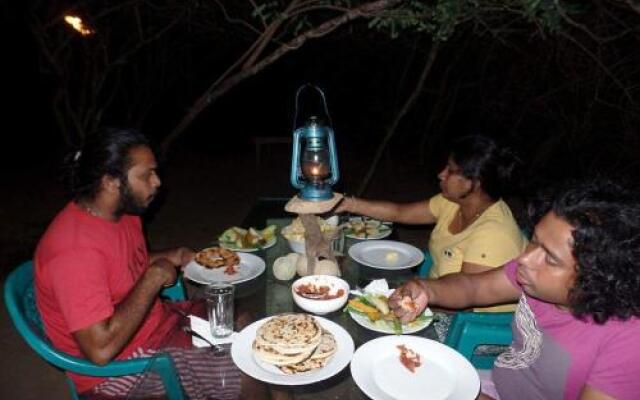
x=294, y=343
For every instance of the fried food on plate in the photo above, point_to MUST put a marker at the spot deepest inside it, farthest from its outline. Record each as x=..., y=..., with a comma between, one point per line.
x=217, y=257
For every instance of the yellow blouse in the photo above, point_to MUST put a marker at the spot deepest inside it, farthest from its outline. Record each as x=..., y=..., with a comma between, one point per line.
x=492, y=240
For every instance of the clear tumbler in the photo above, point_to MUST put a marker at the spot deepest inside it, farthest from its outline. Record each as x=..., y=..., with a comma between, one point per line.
x=219, y=298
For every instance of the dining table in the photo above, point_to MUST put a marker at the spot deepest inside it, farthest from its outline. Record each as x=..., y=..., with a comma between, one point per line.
x=266, y=296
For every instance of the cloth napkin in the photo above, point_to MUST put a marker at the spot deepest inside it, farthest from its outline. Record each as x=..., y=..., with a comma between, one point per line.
x=202, y=327
x=377, y=287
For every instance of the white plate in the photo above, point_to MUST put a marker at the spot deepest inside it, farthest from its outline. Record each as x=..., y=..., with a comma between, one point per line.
x=382, y=233
x=407, y=329
x=443, y=375
x=386, y=254
x=250, y=267
x=242, y=356
x=270, y=243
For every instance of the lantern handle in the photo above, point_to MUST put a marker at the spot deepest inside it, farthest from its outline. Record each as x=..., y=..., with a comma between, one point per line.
x=324, y=101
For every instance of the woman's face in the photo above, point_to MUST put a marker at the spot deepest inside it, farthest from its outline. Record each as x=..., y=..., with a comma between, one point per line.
x=453, y=184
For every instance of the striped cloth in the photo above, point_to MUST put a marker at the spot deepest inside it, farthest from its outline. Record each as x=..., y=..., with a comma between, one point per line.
x=203, y=375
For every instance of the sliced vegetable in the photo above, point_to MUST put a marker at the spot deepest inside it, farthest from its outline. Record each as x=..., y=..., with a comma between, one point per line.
x=360, y=306
x=247, y=239
x=380, y=302
x=372, y=306
x=269, y=232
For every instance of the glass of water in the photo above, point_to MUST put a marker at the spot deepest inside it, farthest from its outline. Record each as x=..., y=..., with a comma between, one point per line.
x=337, y=245
x=219, y=298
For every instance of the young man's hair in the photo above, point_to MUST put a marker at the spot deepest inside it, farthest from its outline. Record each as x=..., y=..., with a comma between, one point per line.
x=481, y=158
x=104, y=153
x=606, y=219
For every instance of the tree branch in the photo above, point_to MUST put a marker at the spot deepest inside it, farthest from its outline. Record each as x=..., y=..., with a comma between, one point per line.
x=239, y=21
x=604, y=68
x=433, y=52
x=221, y=86
x=268, y=35
x=634, y=5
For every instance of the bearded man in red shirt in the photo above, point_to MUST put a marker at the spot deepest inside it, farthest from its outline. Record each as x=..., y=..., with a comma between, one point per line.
x=97, y=285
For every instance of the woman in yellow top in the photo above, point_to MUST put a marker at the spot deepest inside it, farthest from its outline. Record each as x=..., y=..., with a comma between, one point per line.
x=475, y=229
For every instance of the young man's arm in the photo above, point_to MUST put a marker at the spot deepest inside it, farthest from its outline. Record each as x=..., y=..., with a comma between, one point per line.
x=455, y=291
x=179, y=256
x=102, y=341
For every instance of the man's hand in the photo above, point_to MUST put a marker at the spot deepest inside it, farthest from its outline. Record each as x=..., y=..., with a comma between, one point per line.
x=408, y=301
x=162, y=270
x=346, y=205
x=180, y=256
x=104, y=340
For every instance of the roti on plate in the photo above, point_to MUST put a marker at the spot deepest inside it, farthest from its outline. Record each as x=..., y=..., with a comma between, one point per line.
x=295, y=343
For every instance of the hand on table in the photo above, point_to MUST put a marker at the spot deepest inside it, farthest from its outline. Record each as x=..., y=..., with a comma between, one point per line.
x=181, y=256
x=408, y=301
x=164, y=270
x=346, y=205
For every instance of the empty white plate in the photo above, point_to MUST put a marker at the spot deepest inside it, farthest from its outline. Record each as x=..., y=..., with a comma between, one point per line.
x=386, y=254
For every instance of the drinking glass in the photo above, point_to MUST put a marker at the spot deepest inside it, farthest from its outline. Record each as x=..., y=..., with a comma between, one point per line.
x=219, y=299
x=337, y=245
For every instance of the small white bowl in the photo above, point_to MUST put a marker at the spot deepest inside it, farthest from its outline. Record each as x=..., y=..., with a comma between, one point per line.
x=296, y=242
x=297, y=246
x=319, y=306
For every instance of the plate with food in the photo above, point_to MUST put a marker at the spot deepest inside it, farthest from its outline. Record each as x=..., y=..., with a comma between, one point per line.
x=295, y=230
x=411, y=367
x=292, y=349
x=386, y=254
x=372, y=312
x=367, y=229
x=218, y=264
x=248, y=240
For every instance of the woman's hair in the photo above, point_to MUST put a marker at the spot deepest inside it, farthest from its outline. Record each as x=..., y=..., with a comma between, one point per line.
x=104, y=153
x=480, y=158
x=606, y=221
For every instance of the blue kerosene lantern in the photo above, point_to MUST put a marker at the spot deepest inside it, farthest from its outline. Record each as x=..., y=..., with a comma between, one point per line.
x=314, y=161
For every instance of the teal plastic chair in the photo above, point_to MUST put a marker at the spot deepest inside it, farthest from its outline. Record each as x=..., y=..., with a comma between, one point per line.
x=469, y=330
x=19, y=298
x=426, y=265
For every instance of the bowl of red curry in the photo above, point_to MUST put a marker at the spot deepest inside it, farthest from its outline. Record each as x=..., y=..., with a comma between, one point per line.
x=320, y=294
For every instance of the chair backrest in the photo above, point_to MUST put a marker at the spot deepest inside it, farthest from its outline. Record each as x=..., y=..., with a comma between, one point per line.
x=426, y=265
x=19, y=298
x=20, y=301
x=469, y=330
x=176, y=292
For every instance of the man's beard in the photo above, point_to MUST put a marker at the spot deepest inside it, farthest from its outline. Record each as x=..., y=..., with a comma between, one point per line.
x=129, y=204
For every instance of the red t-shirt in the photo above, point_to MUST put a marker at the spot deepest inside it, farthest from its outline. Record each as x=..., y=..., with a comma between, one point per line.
x=84, y=267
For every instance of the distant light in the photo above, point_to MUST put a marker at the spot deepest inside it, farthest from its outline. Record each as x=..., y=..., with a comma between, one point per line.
x=77, y=24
